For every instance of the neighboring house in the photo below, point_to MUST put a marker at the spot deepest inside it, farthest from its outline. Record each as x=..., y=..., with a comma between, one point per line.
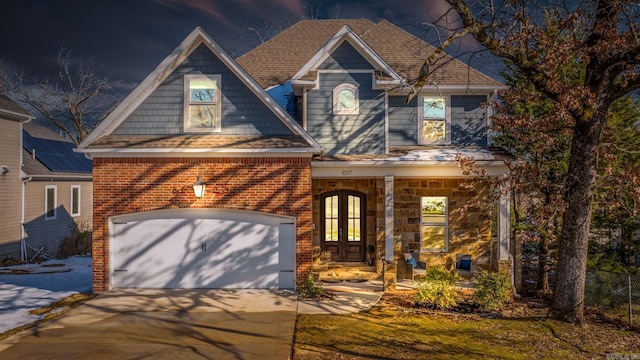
x=12, y=118
x=305, y=182
x=57, y=192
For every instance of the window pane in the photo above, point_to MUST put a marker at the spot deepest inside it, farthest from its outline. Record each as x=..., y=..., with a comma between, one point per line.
x=202, y=116
x=434, y=238
x=202, y=90
x=354, y=230
x=75, y=201
x=51, y=202
x=346, y=100
x=434, y=130
x=434, y=209
x=433, y=108
x=331, y=218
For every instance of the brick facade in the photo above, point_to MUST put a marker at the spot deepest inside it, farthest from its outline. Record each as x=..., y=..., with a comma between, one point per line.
x=280, y=186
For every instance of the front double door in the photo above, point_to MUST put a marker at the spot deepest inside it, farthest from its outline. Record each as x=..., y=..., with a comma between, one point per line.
x=343, y=225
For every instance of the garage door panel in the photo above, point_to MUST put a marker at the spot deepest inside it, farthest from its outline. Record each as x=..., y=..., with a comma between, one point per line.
x=189, y=252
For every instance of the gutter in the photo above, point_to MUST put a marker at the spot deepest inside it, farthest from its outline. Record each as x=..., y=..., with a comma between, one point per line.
x=23, y=247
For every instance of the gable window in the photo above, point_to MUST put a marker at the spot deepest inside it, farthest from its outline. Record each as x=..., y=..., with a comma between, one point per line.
x=50, y=199
x=202, y=105
x=435, y=120
x=346, y=100
x=75, y=200
x=434, y=223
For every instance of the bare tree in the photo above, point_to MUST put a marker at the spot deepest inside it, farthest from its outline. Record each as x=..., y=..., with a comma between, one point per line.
x=546, y=42
x=76, y=101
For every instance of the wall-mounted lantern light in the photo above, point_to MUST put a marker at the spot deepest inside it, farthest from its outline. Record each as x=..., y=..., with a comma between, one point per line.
x=198, y=188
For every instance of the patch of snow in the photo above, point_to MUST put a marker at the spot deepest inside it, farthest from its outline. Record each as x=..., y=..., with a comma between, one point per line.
x=444, y=155
x=44, y=284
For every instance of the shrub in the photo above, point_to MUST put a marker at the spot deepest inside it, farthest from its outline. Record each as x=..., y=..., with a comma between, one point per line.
x=492, y=290
x=308, y=289
x=438, y=290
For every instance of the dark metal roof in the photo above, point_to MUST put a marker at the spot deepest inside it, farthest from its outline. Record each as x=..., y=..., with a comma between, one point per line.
x=56, y=155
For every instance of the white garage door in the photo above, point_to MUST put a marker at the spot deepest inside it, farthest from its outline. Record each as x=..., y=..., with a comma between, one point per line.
x=202, y=248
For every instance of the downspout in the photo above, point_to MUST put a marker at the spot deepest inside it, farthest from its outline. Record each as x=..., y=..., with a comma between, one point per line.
x=23, y=246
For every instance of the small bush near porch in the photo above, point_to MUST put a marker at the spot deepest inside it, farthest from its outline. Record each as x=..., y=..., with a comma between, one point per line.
x=396, y=329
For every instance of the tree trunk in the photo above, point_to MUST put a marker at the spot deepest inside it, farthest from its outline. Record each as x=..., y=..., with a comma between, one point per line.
x=543, y=266
x=568, y=300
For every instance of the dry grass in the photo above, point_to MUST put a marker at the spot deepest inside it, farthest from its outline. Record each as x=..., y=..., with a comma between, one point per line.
x=396, y=330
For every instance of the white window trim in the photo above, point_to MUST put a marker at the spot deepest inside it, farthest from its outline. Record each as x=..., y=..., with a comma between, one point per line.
x=186, y=102
x=356, y=99
x=79, y=200
x=446, y=226
x=447, y=114
x=55, y=202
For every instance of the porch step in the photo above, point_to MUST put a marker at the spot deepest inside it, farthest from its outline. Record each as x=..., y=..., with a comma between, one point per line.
x=344, y=271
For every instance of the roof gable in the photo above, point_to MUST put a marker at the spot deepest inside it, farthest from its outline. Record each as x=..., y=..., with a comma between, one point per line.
x=195, y=40
x=346, y=34
x=10, y=110
x=279, y=59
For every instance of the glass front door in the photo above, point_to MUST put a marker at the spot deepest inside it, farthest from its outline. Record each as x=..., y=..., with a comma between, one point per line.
x=343, y=225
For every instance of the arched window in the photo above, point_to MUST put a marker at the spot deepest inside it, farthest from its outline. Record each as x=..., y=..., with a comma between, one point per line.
x=345, y=100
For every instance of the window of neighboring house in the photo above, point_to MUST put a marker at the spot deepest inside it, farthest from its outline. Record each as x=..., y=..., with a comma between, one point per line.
x=75, y=200
x=346, y=100
x=50, y=200
x=434, y=223
x=202, y=104
x=434, y=120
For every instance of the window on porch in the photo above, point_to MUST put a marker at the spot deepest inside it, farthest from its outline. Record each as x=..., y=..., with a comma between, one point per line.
x=434, y=224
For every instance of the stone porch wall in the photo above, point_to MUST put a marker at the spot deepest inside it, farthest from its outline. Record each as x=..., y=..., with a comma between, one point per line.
x=469, y=220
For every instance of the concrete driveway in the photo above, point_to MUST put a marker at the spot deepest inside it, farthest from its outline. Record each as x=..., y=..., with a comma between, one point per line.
x=166, y=324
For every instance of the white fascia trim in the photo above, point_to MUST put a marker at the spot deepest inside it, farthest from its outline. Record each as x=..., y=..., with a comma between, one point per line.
x=378, y=168
x=201, y=155
x=12, y=115
x=60, y=177
x=347, y=34
x=452, y=88
x=191, y=151
x=167, y=66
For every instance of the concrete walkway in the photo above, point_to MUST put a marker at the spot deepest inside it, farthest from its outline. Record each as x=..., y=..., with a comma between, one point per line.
x=171, y=324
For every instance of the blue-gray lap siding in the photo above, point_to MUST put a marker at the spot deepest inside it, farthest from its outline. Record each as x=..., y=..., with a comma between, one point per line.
x=243, y=113
x=347, y=134
x=345, y=57
x=468, y=121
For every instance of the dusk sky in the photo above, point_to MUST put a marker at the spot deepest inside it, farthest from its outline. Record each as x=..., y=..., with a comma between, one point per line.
x=129, y=38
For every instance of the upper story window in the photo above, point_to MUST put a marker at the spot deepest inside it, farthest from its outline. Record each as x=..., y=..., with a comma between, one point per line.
x=435, y=120
x=75, y=200
x=202, y=105
x=346, y=100
x=50, y=200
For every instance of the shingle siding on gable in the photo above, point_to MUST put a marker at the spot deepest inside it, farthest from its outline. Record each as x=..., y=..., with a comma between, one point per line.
x=468, y=120
x=403, y=121
x=345, y=57
x=162, y=112
x=347, y=134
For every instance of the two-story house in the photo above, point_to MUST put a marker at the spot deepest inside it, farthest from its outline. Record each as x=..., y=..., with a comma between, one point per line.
x=335, y=163
x=45, y=189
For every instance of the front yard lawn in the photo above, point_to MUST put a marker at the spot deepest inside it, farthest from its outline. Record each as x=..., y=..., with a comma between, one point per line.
x=397, y=330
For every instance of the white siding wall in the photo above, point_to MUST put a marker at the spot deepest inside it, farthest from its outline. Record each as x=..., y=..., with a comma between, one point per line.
x=10, y=189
